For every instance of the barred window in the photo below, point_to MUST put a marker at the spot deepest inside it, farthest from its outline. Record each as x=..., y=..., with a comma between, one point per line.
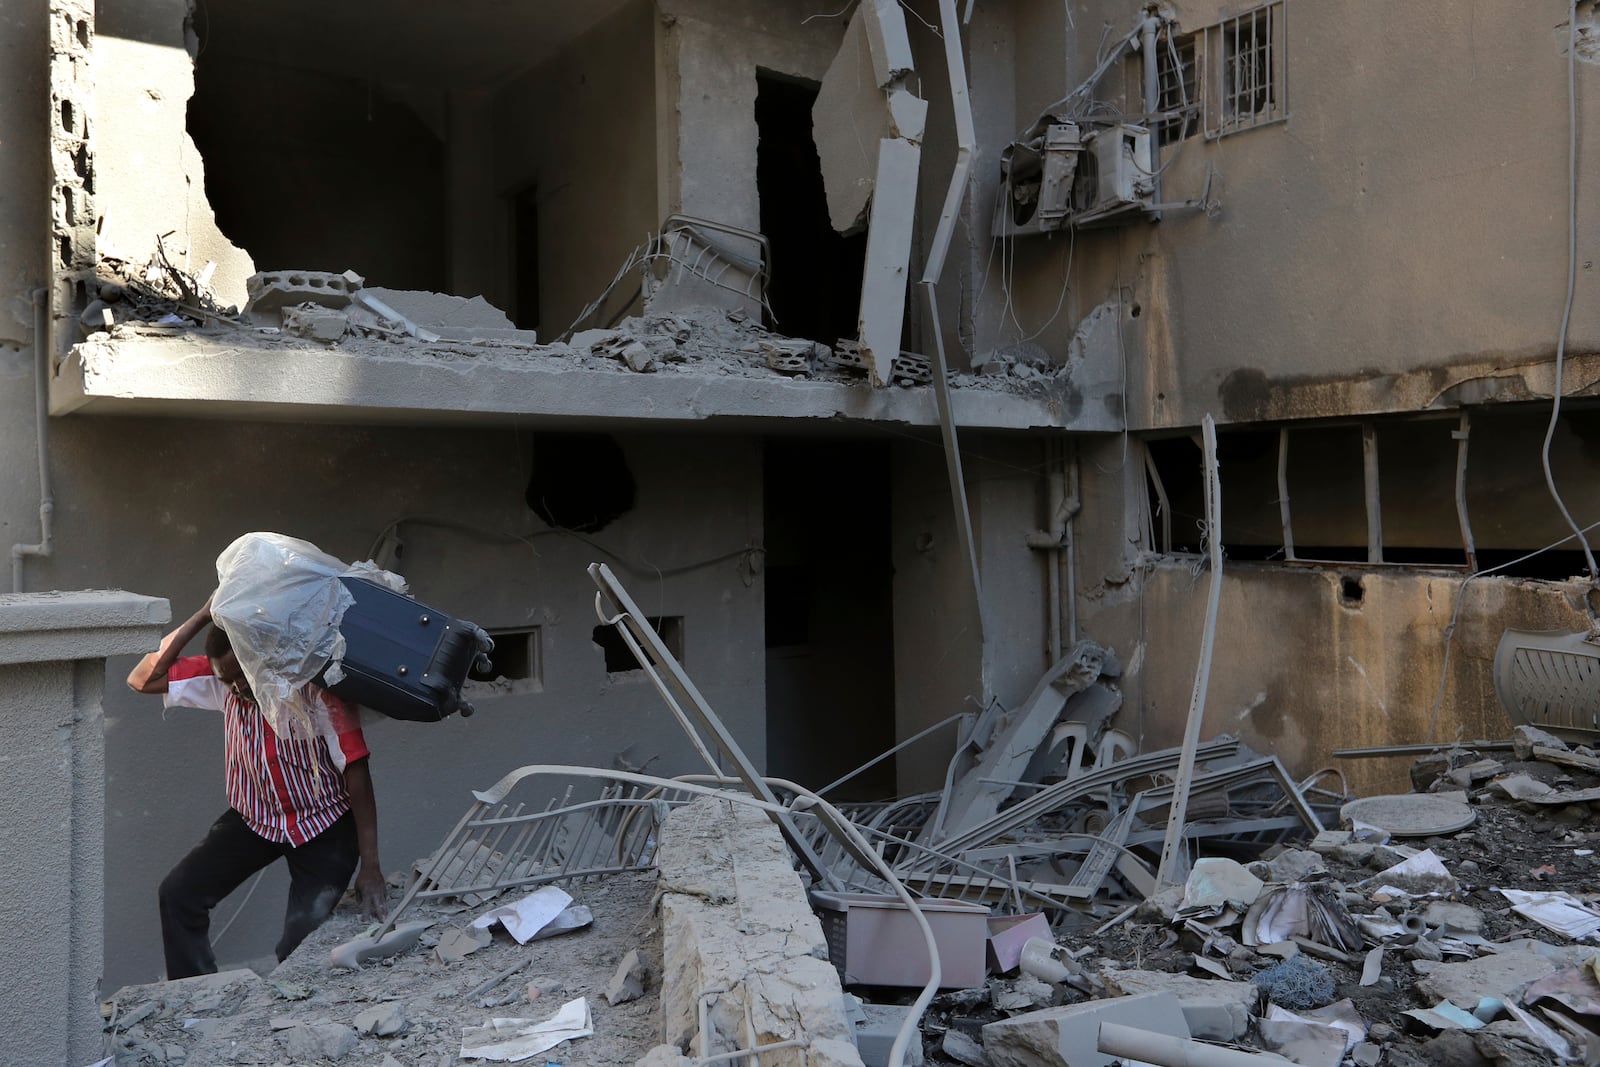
x=1248, y=83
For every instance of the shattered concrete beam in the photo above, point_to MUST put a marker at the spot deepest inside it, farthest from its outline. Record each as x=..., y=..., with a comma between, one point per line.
x=195, y=376
x=885, y=279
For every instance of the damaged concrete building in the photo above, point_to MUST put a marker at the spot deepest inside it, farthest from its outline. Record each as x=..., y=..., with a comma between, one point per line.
x=872, y=346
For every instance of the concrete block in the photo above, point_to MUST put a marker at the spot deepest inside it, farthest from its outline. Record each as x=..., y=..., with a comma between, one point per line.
x=629, y=980
x=1186, y=988
x=87, y=624
x=315, y=323
x=875, y=1034
x=734, y=917
x=444, y=312
x=885, y=25
x=887, y=271
x=271, y=291
x=1216, y=1020
x=1068, y=1036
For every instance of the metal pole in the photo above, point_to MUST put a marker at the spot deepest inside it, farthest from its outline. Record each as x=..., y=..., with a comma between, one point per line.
x=1168, y=873
x=1462, y=434
x=1283, y=493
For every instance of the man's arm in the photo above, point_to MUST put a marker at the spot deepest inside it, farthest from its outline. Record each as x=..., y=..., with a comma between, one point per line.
x=370, y=887
x=150, y=674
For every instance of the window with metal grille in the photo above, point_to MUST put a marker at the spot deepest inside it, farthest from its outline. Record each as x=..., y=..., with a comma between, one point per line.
x=1178, y=68
x=1247, y=84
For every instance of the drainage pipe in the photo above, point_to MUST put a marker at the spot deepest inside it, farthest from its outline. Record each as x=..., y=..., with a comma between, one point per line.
x=1152, y=100
x=43, y=349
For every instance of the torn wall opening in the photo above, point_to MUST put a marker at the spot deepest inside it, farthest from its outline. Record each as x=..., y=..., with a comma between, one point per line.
x=1414, y=477
x=507, y=153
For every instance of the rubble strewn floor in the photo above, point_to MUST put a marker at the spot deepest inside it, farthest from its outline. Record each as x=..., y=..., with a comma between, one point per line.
x=305, y=1013
x=1511, y=845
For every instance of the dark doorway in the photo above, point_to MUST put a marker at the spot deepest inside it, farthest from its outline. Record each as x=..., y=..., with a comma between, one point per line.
x=829, y=614
x=525, y=256
x=815, y=289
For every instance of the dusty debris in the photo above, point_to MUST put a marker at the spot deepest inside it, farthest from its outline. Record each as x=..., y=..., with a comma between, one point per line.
x=629, y=980
x=411, y=1006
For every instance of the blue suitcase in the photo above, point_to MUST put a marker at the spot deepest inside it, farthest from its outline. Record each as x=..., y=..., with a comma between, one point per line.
x=405, y=659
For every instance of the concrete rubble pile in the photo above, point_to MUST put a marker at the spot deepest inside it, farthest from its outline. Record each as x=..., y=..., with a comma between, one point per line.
x=1452, y=925
x=340, y=310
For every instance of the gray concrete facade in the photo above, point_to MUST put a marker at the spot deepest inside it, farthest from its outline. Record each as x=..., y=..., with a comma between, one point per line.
x=53, y=648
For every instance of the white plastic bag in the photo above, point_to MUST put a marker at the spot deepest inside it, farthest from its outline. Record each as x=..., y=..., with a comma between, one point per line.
x=280, y=601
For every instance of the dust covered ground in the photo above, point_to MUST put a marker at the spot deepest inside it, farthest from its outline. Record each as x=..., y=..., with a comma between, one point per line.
x=1511, y=845
x=304, y=1012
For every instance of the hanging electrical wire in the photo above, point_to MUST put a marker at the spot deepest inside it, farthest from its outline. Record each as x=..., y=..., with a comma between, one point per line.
x=1572, y=278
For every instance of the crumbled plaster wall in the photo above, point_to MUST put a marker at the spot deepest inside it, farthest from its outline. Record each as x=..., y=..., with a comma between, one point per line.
x=149, y=175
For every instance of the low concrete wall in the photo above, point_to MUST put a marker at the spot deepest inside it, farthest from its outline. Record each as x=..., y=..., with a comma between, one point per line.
x=52, y=812
x=735, y=923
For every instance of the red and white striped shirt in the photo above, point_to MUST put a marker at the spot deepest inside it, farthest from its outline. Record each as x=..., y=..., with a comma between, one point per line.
x=289, y=789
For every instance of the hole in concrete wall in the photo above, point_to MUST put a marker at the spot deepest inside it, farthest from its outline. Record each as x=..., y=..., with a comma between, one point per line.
x=83, y=33
x=515, y=666
x=580, y=481
x=66, y=115
x=311, y=162
x=828, y=584
x=815, y=291
x=1350, y=591
x=620, y=658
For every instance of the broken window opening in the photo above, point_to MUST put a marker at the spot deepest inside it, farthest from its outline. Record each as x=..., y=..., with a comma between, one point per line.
x=1417, y=459
x=619, y=657
x=579, y=481
x=815, y=289
x=1249, y=57
x=517, y=662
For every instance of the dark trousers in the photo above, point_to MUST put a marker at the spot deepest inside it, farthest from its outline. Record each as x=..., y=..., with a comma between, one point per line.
x=319, y=873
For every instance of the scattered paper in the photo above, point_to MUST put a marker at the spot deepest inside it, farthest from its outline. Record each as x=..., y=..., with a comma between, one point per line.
x=510, y=1040
x=1561, y=912
x=1550, y=1039
x=1422, y=875
x=575, y=917
x=1340, y=1015
x=526, y=917
x=1446, y=1016
x=1372, y=970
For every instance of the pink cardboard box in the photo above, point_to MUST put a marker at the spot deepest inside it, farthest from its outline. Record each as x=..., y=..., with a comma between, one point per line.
x=1007, y=935
x=873, y=940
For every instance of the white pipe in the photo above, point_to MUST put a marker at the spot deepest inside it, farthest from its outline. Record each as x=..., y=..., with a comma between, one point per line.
x=43, y=349
x=1167, y=873
x=1152, y=98
x=1129, y=1042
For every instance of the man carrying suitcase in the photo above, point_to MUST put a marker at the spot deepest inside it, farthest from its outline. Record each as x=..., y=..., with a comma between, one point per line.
x=306, y=799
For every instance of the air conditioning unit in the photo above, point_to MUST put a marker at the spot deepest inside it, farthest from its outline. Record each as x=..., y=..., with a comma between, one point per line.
x=1119, y=178
x=1039, y=179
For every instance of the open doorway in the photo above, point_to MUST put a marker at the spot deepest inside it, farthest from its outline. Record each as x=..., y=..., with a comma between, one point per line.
x=829, y=613
x=815, y=290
